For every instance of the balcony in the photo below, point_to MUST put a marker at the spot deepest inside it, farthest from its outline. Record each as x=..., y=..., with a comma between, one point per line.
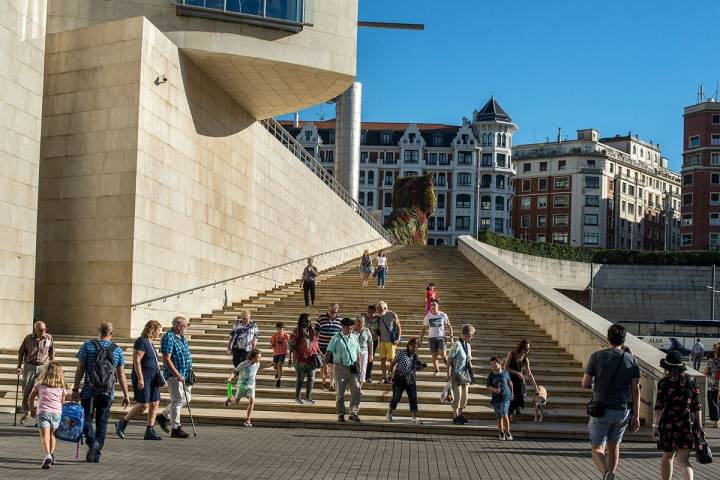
x=282, y=15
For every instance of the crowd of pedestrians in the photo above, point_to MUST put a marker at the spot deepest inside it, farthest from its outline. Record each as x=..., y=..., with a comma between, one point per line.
x=343, y=350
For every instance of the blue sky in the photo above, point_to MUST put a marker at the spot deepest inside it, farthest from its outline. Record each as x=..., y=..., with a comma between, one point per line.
x=617, y=66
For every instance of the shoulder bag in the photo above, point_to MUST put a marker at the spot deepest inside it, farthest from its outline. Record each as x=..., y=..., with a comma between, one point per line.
x=354, y=367
x=158, y=380
x=596, y=408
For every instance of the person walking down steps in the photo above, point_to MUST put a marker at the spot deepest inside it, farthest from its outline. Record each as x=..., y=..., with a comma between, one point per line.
x=309, y=276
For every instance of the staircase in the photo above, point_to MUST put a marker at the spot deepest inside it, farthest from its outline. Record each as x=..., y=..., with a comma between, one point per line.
x=466, y=296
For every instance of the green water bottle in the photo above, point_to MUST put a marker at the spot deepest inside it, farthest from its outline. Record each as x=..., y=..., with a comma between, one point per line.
x=229, y=390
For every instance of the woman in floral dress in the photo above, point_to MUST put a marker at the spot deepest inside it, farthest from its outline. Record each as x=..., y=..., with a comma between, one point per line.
x=712, y=372
x=677, y=398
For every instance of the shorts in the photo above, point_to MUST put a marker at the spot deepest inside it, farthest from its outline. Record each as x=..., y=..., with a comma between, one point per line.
x=387, y=350
x=48, y=420
x=502, y=408
x=279, y=358
x=609, y=428
x=437, y=344
x=244, y=392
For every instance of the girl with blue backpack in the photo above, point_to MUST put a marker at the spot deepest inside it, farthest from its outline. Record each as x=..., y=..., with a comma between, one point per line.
x=50, y=392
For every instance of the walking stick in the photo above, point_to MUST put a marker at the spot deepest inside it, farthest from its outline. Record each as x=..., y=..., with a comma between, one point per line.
x=192, y=422
x=17, y=393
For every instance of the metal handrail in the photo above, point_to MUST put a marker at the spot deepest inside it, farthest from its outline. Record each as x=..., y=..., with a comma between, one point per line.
x=275, y=128
x=257, y=273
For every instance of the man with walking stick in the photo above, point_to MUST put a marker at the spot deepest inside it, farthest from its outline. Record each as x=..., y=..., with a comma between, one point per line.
x=177, y=368
x=36, y=350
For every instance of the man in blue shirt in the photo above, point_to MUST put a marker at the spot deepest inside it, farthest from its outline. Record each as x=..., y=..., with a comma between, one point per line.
x=177, y=362
x=96, y=399
x=345, y=352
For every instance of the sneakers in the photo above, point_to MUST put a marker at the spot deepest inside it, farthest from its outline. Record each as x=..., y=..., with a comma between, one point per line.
x=247, y=423
x=151, y=434
x=120, y=428
x=309, y=401
x=508, y=436
x=416, y=421
x=388, y=416
x=299, y=401
x=341, y=418
x=47, y=462
x=178, y=433
x=277, y=384
x=164, y=423
x=354, y=417
x=92, y=453
x=501, y=436
x=460, y=420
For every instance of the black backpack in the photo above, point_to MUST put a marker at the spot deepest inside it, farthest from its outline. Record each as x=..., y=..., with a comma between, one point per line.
x=101, y=379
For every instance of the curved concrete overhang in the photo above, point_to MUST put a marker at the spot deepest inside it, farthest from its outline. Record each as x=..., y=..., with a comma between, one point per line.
x=266, y=78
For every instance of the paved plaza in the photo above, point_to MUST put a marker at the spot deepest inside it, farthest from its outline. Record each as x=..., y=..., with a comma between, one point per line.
x=278, y=453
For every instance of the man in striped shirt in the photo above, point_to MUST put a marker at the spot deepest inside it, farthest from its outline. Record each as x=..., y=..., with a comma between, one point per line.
x=328, y=326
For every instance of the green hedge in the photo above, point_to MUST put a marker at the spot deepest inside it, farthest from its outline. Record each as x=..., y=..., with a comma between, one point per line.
x=601, y=255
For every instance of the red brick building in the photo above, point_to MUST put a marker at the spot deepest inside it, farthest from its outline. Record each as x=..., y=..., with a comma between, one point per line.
x=701, y=177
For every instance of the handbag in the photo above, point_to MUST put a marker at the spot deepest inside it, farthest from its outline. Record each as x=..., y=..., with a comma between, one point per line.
x=191, y=378
x=354, y=367
x=317, y=362
x=596, y=408
x=158, y=380
x=703, y=454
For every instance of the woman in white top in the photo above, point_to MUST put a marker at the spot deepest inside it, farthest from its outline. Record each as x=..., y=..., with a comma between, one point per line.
x=381, y=266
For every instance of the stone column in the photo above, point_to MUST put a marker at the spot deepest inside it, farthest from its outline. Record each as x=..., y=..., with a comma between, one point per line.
x=347, y=138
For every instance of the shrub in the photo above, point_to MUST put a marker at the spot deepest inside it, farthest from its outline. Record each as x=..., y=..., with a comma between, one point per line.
x=601, y=255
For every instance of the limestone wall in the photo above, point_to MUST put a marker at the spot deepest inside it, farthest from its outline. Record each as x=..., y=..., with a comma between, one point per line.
x=577, y=329
x=626, y=293
x=150, y=191
x=22, y=46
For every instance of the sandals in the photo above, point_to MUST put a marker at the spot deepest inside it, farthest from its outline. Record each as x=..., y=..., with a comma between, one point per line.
x=227, y=402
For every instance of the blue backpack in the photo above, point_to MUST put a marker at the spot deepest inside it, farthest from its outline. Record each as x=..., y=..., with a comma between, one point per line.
x=72, y=419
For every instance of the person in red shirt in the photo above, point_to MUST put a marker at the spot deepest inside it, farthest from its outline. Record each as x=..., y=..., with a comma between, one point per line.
x=430, y=295
x=303, y=347
x=279, y=344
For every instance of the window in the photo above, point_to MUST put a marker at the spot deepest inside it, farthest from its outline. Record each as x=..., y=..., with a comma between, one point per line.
x=439, y=180
x=543, y=166
x=486, y=181
x=715, y=219
x=542, y=221
x=363, y=138
x=560, y=220
x=542, y=184
x=527, y=167
x=437, y=139
x=592, y=201
x=590, y=219
x=526, y=185
x=525, y=203
x=714, y=239
x=624, y=205
x=591, y=163
x=631, y=208
x=388, y=199
x=441, y=201
x=484, y=224
x=388, y=178
x=432, y=159
x=370, y=199
x=500, y=182
x=561, y=201
x=443, y=157
x=716, y=119
x=330, y=156
x=541, y=202
x=631, y=190
x=390, y=157
x=524, y=236
x=562, y=164
x=715, y=139
x=715, y=159
x=371, y=177
x=714, y=198
x=715, y=178
x=562, y=183
x=440, y=242
x=541, y=238
x=463, y=179
x=361, y=198
x=560, y=238
x=308, y=135
x=525, y=221
x=499, y=224
x=362, y=177
x=485, y=202
x=363, y=157
x=462, y=201
x=386, y=138
x=501, y=160
x=499, y=204
x=487, y=160
x=464, y=158
x=441, y=223
x=590, y=239
x=411, y=156
x=592, y=182
x=462, y=222
x=686, y=239
x=694, y=141
x=688, y=199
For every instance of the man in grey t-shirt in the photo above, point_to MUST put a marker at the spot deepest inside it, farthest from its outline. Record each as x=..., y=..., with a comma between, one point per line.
x=616, y=378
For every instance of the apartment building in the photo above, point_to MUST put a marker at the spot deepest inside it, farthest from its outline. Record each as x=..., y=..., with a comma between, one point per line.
x=615, y=192
x=471, y=166
x=701, y=176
